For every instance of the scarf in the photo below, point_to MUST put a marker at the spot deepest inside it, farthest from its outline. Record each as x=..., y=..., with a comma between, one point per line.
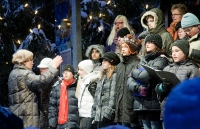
x=63, y=109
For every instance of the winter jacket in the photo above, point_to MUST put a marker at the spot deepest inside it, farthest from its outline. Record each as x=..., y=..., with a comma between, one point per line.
x=85, y=99
x=194, y=52
x=100, y=48
x=149, y=102
x=159, y=28
x=54, y=103
x=22, y=85
x=104, y=100
x=124, y=99
x=183, y=70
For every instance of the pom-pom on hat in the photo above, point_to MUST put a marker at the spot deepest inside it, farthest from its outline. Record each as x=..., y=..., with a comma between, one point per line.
x=86, y=65
x=111, y=57
x=188, y=20
x=123, y=32
x=130, y=41
x=155, y=38
x=45, y=63
x=68, y=67
x=183, y=45
x=182, y=106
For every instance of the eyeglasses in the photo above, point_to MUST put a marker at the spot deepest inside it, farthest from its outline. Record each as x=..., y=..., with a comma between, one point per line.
x=188, y=29
x=118, y=23
x=176, y=14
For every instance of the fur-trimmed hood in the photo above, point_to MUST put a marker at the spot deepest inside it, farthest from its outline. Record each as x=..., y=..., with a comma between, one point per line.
x=158, y=18
x=98, y=47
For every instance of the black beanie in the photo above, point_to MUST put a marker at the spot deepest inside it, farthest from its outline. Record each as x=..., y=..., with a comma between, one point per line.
x=123, y=32
x=68, y=67
x=155, y=38
x=111, y=57
x=183, y=45
x=178, y=25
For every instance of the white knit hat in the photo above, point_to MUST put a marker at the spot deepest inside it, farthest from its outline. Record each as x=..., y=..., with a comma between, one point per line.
x=45, y=63
x=86, y=65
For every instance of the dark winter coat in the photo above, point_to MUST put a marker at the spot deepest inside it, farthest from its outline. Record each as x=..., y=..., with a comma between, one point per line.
x=149, y=102
x=22, y=85
x=54, y=102
x=124, y=99
x=183, y=70
x=159, y=20
x=104, y=100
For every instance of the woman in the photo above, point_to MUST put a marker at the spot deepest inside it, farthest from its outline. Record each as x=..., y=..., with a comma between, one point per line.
x=104, y=100
x=146, y=104
x=23, y=84
x=63, y=105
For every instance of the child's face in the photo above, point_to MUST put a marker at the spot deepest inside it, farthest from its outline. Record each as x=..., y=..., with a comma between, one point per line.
x=177, y=54
x=125, y=50
x=150, y=23
x=67, y=75
x=105, y=64
x=81, y=72
x=150, y=47
x=181, y=33
x=119, y=24
x=95, y=54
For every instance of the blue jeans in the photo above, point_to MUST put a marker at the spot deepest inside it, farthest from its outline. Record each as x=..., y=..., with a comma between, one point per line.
x=151, y=124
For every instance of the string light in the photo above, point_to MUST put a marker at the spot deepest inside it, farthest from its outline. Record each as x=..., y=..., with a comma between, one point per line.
x=36, y=12
x=99, y=28
x=18, y=41
x=100, y=15
x=31, y=31
x=68, y=24
x=26, y=5
x=147, y=6
x=90, y=17
x=59, y=26
x=1, y=18
x=108, y=2
x=39, y=26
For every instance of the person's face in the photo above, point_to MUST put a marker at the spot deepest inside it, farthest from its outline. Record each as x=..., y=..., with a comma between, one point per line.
x=118, y=24
x=181, y=33
x=105, y=64
x=67, y=75
x=43, y=70
x=191, y=31
x=124, y=50
x=81, y=72
x=95, y=54
x=150, y=47
x=29, y=64
x=176, y=15
x=177, y=54
x=150, y=23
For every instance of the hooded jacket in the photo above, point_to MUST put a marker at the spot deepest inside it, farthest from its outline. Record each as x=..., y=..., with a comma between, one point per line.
x=159, y=28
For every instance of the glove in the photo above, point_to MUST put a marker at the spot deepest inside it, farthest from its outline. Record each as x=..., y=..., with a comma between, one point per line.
x=195, y=53
x=166, y=87
x=104, y=119
x=143, y=90
x=92, y=88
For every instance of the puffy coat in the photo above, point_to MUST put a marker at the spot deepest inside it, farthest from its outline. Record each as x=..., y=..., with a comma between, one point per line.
x=54, y=102
x=124, y=99
x=22, y=85
x=104, y=100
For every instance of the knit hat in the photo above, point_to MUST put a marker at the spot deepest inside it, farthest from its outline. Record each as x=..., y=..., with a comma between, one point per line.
x=188, y=20
x=183, y=45
x=86, y=65
x=130, y=41
x=45, y=63
x=182, y=106
x=111, y=57
x=155, y=38
x=123, y=32
x=178, y=25
x=68, y=67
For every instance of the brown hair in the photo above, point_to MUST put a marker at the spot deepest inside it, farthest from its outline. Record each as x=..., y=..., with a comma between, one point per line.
x=180, y=7
x=108, y=72
x=22, y=56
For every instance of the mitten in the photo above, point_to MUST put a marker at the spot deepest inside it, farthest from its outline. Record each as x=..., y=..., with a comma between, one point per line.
x=143, y=90
x=166, y=87
x=92, y=88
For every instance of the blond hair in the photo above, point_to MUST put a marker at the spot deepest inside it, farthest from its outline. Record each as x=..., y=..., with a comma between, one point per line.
x=113, y=31
x=22, y=56
x=109, y=72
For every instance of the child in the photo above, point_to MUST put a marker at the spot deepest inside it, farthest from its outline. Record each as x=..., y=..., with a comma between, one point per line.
x=85, y=98
x=63, y=105
x=104, y=100
x=182, y=67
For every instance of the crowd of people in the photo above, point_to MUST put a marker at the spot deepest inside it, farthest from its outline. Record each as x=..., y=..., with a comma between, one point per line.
x=113, y=89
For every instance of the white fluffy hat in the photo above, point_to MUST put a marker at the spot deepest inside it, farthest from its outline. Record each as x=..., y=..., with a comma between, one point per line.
x=45, y=63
